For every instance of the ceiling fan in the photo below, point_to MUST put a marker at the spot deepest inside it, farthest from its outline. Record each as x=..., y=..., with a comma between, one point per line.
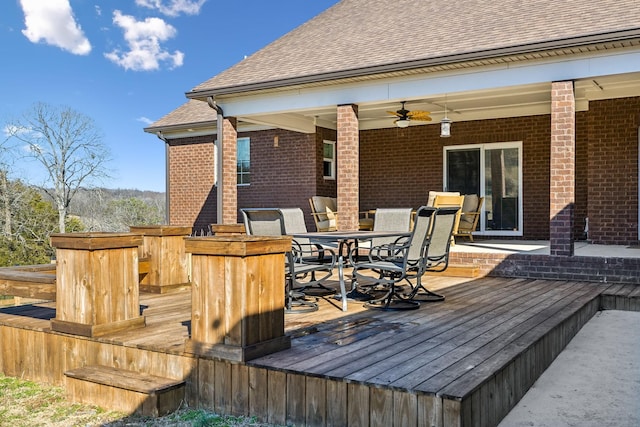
x=404, y=116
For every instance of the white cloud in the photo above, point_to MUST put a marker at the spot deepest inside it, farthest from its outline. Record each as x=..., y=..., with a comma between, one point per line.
x=173, y=7
x=52, y=21
x=12, y=130
x=143, y=39
x=145, y=120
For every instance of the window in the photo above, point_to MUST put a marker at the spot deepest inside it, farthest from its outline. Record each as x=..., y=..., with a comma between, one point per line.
x=493, y=171
x=244, y=161
x=329, y=159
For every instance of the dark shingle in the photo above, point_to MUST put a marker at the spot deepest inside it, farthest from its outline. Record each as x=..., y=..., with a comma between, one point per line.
x=360, y=34
x=190, y=113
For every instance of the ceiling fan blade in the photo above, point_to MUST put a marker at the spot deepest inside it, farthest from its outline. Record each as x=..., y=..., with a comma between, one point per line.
x=417, y=114
x=394, y=113
x=422, y=116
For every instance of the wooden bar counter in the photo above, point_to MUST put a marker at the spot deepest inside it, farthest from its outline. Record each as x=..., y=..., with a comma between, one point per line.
x=238, y=294
x=96, y=283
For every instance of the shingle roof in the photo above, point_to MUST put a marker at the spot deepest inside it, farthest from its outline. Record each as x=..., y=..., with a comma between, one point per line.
x=361, y=34
x=190, y=113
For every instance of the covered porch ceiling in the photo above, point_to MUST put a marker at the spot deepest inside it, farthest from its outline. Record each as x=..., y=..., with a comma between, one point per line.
x=500, y=102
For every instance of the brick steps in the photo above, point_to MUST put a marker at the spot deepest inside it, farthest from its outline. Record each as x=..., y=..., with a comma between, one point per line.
x=458, y=270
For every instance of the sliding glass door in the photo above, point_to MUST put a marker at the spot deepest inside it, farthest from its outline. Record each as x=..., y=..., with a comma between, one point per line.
x=494, y=172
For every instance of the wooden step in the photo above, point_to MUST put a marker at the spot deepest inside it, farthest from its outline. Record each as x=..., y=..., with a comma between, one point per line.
x=28, y=283
x=458, y=270
x=123, y=390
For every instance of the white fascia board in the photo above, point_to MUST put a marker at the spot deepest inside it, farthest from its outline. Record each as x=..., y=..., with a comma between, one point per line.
x=283, y=121
x=400, y=88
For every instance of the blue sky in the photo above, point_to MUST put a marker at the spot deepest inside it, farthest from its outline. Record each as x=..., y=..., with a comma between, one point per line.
x=127, y=63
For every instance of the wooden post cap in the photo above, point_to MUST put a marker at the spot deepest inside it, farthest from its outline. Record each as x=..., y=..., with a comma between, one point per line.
x=95, y=240
x=240, y=245
x=161, y=230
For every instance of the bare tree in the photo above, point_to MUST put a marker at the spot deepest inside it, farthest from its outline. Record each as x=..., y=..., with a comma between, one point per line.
x=4, y=188
x=68, y=145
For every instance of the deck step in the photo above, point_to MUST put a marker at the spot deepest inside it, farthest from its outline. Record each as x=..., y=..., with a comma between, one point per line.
x=458, y=270
x=123, y=390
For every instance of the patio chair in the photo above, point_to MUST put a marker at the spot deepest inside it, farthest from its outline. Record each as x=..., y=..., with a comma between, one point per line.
x=395, y=262
x=469, y=216
x=302, y=269
x=293, y=221
x=324, y=211
x=388, y=219
x=445, y=200
x=433, y=194
x=436, y=253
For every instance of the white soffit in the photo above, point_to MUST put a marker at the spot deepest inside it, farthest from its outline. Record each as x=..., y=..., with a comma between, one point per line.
x=494, y=91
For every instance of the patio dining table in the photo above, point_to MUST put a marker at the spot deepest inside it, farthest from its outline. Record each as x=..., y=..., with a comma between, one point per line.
x=345, y=241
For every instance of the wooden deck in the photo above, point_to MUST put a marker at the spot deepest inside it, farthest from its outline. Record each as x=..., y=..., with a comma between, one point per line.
x=463, y=362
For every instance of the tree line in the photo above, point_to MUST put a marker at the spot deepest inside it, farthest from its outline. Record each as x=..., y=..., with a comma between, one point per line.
x=67, y=149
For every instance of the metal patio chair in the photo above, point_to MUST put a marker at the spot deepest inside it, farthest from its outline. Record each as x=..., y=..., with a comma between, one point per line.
x=386, y=219
x=293, y=221
x=436, y=253
x=302, y=267
x=396, y=262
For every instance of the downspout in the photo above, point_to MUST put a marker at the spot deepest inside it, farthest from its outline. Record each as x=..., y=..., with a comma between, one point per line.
x=219, y=123
x=166, y=176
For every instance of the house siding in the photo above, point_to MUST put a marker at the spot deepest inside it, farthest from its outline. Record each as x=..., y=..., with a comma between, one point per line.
x=398, y=167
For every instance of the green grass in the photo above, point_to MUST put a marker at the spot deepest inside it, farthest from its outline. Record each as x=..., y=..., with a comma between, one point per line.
x=29, y=404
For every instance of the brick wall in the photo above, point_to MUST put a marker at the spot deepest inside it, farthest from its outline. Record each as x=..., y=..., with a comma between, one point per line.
x=579, y=268
x=229, y=184
x=398, y=167
x=347, y=148
x=191, y=178
x=283, y=173
x=613, y=171
x=562, y=171
x=582, y=176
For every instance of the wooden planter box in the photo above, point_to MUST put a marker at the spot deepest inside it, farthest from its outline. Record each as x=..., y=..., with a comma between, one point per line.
x=163, y=248
x=96, y=283
x=228, y=229
x=238, y=295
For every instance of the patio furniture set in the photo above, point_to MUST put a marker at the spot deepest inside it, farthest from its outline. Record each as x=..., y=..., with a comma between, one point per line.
x=388, y=257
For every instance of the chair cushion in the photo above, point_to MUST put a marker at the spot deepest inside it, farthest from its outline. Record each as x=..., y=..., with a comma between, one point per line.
x=470, y=204
x=324, y=204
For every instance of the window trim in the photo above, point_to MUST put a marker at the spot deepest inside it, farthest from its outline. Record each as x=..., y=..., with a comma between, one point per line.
x=331, y=161
x=483, y=148
x=238, y=183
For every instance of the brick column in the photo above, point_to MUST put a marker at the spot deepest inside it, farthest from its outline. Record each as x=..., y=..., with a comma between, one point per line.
x=562, y=168
x=348, y=181
x=229, y=184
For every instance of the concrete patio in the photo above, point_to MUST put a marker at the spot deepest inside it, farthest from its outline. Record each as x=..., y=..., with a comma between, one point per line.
x=541, y=247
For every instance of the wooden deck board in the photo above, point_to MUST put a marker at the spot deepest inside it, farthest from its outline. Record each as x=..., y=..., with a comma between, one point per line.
x=395, y=354
x=436, y=353
x=478, y=350
x=398, y=329
x=485, y=346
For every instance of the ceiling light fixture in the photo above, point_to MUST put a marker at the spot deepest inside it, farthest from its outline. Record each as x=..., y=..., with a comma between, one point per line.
x=402, y=123
x=445, y=123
